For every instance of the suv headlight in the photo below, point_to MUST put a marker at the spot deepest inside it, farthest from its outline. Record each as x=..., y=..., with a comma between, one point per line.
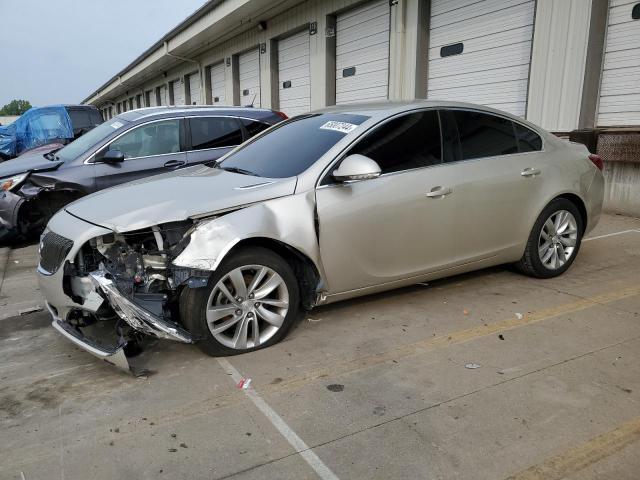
x=10, y=183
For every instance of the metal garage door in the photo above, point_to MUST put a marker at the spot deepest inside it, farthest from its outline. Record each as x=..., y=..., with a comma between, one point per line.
x=362, y=53
x=177, y=88
x=294, y=85
x=218, y=92
x=194, y=89
x=620, y=89
x=249, y=68
x=480, y=51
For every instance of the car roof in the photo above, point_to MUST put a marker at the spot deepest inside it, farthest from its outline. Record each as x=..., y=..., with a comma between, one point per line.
x=387, y=108
x=194, y=110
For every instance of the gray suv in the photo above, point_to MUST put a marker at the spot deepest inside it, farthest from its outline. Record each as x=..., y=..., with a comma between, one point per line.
x=135, y=144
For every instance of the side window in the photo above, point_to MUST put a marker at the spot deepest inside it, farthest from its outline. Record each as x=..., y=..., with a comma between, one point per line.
x=254, y=127
x=79, y=118
x=214, y=132
x=528, y=140
x=156, y=138
x=410, y=141
x=483, y=135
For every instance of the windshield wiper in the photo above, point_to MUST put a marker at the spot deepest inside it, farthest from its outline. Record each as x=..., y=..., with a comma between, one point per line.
x=239, y=170
x=51, y=155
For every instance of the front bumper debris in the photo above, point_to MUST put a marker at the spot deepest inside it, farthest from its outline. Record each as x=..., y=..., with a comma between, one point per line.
x=136, y=316
x=114, y=355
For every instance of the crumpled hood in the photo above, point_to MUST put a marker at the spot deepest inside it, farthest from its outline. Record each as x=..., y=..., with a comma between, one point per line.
x=176, y=196
x=31, y=161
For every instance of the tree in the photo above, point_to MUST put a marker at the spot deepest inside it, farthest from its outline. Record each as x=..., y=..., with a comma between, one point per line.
x=15, y=107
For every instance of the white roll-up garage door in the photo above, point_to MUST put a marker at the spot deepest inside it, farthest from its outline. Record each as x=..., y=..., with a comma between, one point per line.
x=620, y=89
x=177, y=88
x=480, y=51
x=194, y=89
x=218, y=92
x=362, y=53
x=294, y=83
x=249, y=71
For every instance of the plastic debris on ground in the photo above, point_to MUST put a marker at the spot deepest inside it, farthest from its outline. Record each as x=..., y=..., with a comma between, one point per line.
x=519, y=316
x=244, y=383
x=314, y=319
x=472, y=366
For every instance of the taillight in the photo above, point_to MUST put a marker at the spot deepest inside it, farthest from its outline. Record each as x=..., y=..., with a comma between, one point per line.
x=597, y=161
x=281, y=114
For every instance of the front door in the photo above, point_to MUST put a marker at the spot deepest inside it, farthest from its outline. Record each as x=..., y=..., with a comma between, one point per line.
x=149, y=149
x=398, y=225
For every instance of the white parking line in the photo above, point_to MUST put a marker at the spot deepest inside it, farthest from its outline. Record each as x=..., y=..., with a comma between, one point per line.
x=285, y=430
x=611, y=235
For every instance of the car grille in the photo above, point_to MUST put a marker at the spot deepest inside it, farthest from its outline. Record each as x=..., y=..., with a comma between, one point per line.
x=53, y=250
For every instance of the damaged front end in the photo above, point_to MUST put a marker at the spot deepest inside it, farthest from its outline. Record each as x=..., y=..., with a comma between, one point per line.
x=130, y=287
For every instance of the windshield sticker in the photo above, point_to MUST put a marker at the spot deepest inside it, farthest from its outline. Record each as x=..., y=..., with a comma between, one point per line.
x=342, y=127
x=116, y=125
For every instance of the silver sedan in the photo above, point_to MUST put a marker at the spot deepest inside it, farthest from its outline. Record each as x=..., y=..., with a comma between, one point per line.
x=327, y=206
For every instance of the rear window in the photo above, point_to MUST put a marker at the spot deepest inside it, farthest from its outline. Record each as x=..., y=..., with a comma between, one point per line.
x=483, y=135
x=528, y=140
x=292, y=146
x=80, y=118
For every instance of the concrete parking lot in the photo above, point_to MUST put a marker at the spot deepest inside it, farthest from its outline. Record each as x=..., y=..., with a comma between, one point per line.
x=374, y=388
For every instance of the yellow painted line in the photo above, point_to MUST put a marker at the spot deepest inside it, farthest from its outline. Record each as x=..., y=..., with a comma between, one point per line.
x=454, y=338
x=587, y=454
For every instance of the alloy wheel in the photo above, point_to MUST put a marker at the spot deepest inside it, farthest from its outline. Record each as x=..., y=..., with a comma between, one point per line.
x=247, y=307
x=558, y=238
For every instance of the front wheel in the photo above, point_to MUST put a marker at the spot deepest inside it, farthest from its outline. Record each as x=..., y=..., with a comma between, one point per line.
x=250, y=302
x=554, y=240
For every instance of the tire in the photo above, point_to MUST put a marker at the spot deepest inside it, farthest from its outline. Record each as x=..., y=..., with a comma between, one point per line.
x=234, y=318
x=552, y=256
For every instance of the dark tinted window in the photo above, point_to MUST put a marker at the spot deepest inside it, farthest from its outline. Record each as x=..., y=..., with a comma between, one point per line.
x=254, y=127
x=80, y=118
x=293, y=146
x=483, y=135
x=214, y=132
x=95, y=117
x=528, y=140
x=410, y=141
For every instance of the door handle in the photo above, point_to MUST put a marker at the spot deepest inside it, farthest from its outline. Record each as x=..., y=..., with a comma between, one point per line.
x=530, y=172
x=174, y=163
x=437, y=192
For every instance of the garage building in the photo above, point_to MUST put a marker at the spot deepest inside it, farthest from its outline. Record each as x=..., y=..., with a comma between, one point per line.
x=568, y=65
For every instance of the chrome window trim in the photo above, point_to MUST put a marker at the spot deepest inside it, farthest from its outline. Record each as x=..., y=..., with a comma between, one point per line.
x=340, y=156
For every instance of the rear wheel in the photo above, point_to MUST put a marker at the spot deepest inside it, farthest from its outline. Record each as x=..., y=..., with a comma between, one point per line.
x=554, y=240
x=250, y=302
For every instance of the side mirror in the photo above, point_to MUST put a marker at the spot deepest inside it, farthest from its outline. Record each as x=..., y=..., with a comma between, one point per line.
x=356, y=167
x=112, y=156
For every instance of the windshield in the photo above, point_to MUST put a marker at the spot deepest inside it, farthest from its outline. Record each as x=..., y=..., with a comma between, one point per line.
x=89, y=139
x=293, y=146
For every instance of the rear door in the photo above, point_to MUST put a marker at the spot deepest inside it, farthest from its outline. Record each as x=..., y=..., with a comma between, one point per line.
x=499, y=170
x=212, y=137
x=398, y=225
x=152, y=148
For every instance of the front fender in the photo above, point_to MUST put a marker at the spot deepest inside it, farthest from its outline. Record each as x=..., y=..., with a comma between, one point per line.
x=289, y=220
